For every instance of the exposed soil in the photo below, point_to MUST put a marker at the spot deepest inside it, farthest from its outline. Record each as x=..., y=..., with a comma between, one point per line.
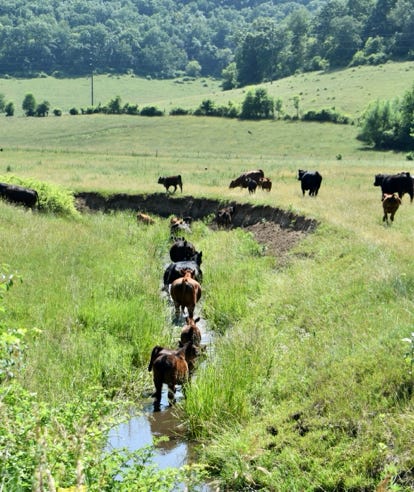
x=277, y=229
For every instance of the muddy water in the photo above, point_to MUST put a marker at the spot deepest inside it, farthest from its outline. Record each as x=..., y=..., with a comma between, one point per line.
x=145, y=425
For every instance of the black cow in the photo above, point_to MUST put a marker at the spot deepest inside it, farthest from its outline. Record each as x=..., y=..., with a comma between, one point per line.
x=395, y=183
x=168, y=181
x=174, y=270
x=310, y=180
x=251, y=185
x=182, y=250
x=19, y=194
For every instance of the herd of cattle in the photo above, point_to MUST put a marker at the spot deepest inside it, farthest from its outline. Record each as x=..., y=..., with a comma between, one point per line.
x=182, y=280
x=183, y=276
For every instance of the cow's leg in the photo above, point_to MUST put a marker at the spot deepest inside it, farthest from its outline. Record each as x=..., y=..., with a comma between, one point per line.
x=392, y=216
x=171, y=393
x=158, y=391
x=191, y=310
x=177, y=310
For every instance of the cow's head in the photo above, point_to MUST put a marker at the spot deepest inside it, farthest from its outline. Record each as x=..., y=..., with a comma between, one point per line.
x=301, y=172
x=379, y=178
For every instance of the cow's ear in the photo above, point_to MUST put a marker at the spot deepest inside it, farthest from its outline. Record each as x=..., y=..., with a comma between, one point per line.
x=197, y=320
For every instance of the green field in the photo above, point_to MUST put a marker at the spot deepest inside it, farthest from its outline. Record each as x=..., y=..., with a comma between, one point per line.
x=309, y=386
x=349, y=91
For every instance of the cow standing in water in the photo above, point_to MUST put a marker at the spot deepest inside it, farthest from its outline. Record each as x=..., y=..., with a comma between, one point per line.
x=185, y=293
x=170, y=367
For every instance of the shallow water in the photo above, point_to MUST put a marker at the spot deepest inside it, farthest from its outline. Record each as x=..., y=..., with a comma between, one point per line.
x=145, y=425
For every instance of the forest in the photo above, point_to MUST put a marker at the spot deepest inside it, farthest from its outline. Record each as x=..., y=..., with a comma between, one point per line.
x=243, y=41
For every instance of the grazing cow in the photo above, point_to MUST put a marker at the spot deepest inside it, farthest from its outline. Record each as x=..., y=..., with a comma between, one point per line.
x=182, y=250
x=224, y=216
x=145, y=219
x=265, y=184
x=251, y=185
x=241, y=180
x=390, y=204
x=19, y=195
x=395, y=183
x=190, y=332
x=170, y=367
x=174, y=270
x=169, y=181
x=185, y=293
x=310, y=180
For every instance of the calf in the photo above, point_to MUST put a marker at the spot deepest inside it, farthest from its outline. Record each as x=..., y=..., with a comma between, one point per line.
x=170, y=367
x=169, y=181
x=224, y=216
x=390, y=204
x=265, y=184
x=251, y=185
x=185, y=293
x=190, y=332
x=177, y=224
x=145, y=219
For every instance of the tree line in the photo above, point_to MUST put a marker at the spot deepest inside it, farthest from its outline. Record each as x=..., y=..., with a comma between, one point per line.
x=243, y=41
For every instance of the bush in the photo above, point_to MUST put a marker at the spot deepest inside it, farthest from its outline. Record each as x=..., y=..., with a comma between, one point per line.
x=9, y=109
x=73, y=111
x=57, y=112
x=325, y=115
x=151, y=111
x=52, y=198
x=179, y=112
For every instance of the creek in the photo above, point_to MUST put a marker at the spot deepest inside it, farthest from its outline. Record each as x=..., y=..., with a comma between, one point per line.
x=145, y=425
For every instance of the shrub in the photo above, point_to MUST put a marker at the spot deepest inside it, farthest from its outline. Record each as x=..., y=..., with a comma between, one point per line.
x=57, y=112
x=52, y=198
x=179, y=112
x=325, y=115
x=151, y=111
x=9, y=109
x=73, y=111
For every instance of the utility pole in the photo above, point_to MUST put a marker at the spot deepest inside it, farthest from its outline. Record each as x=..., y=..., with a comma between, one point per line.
x=91, y=67
x=92, y=87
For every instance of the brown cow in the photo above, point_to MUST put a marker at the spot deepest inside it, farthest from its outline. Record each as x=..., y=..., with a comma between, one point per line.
x=170, y=367
x=178, y=224
x=241, y=181
x=190, y=332
x=145, y=219
x=185, y=293
x=265, y=184
x=390, y=204
x=224, y=216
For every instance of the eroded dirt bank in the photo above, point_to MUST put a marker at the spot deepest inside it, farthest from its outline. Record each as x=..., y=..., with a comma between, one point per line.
x=277, y=229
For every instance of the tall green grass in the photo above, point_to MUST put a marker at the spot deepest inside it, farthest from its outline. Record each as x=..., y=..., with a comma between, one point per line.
x=308, y=385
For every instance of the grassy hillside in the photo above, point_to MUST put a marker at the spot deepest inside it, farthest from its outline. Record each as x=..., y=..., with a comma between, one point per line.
x=348, y=91
x=309, y=386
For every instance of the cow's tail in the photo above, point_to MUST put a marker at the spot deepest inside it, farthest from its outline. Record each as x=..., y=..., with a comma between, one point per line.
x=154, y=354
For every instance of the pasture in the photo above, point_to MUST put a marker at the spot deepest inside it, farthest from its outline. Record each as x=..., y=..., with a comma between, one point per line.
x=309, y=386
